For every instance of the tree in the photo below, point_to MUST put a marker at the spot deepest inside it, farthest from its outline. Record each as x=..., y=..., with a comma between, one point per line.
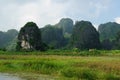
x=107, y=44
x=117, y=41
x=85, y=36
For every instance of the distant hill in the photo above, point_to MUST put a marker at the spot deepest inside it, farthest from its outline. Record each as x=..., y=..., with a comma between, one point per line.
x=58, y=36
x=82, y=35
x=108, y=30
x=52, y=36
x=66, y=24
x=7, y=37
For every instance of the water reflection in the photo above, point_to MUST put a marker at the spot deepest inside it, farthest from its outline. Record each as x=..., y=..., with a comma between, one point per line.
x=8, y=77
x=5, y=76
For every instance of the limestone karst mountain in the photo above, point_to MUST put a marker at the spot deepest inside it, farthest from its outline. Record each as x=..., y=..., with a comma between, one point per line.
x=108, y=30
x=29, y=37
x=85, y=36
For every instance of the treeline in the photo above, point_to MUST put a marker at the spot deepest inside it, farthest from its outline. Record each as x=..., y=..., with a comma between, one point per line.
x=66, y=35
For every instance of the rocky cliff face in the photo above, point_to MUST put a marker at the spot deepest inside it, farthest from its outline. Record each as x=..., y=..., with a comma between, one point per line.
x=29, y=37
x=26, y=45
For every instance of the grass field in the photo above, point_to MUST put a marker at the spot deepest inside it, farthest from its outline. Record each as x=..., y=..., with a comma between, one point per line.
x=65, y=65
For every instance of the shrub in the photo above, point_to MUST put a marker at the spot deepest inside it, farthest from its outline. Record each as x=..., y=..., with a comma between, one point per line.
x=112, y=77
x=78, y=73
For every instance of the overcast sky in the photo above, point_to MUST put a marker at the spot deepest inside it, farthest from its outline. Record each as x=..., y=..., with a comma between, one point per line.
x=15, y=13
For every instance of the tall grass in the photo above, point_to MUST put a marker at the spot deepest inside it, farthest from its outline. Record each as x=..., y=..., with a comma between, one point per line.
x=70, y=67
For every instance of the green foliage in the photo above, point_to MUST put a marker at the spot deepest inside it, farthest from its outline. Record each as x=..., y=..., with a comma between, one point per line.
x=18, y=46
x=85, y=36
x=92, y=52
x=78, y=73
x=2, y=49
x=116, y=42
x=112, y=77
x=107, y=44
x=12, y=45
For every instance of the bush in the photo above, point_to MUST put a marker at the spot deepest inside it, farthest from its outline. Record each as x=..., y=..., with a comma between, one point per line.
x=44, y=67
x=89, y=75
x=68, y=72
x=112, y=77
x=92, y=52
x=78, y=73
x=2, y=49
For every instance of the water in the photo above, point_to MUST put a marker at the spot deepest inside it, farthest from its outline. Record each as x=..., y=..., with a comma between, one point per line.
x=5, y=76
x=8, y=77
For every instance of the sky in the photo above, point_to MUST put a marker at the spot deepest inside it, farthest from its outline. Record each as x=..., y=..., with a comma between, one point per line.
x=14, y=14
